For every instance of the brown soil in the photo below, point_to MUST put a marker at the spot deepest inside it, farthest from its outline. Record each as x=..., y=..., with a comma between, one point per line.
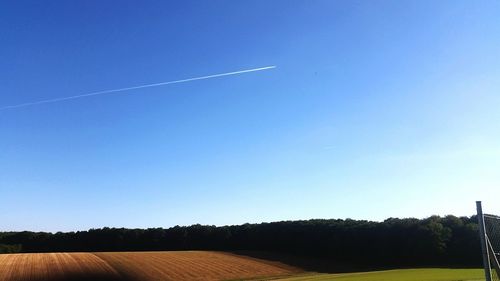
x=137, y=266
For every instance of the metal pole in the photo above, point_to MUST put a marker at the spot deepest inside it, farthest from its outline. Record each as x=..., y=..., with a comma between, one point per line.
x=484, y=243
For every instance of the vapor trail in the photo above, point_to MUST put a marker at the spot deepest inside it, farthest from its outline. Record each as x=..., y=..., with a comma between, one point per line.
x=138, y=87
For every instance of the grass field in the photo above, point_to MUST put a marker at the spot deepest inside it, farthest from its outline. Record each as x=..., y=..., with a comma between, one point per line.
x=190, y=265
x=431, y=274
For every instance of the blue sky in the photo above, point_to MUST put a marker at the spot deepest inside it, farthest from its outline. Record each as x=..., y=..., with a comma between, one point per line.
x=376, y=109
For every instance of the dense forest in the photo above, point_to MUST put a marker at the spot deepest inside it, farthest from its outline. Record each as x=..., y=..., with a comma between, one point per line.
x=434, y=241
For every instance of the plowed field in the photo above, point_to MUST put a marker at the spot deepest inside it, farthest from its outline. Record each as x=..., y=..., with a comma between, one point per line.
x=137, y=266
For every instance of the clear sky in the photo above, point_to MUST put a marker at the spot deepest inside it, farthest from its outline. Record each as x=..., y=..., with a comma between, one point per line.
x=376, y=109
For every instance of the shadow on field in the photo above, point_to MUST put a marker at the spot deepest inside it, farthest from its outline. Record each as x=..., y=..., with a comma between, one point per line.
x=308, y=263
x=82, y=277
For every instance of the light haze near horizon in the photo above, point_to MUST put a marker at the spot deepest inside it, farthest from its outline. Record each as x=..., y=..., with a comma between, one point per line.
x=378, y=109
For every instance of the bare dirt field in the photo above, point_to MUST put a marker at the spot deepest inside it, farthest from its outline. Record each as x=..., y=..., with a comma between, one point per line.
x=143, y=266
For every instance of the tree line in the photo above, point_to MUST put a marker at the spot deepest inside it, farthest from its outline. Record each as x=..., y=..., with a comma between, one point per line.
x=433, y=241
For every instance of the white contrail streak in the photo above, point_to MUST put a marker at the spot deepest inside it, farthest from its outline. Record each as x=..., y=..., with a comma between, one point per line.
x=138, y=87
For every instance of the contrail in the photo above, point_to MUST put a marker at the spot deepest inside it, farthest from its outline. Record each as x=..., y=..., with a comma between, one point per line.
x=138, y=87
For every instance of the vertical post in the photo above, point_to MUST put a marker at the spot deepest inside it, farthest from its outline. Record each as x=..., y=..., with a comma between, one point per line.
x=484, y=243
